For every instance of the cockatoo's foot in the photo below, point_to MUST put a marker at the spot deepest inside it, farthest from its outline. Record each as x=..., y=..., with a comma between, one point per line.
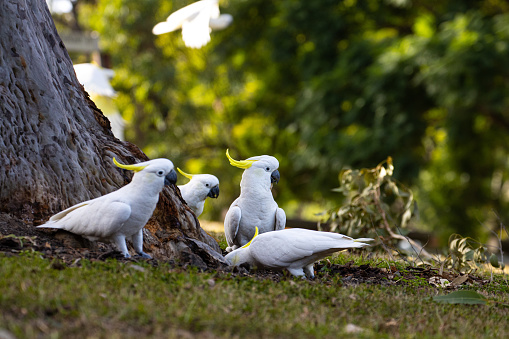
x=144, y=255
x=298, y=272
x=119, y=241
x=247, y=266
x=309, y=270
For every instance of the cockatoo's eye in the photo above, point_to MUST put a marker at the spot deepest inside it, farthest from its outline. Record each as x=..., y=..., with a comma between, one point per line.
x=207, y=185
x=267, y=169
x=160, y=173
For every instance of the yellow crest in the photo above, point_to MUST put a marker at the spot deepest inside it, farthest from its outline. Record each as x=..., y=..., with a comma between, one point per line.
x=249, y=243
x=244, y=164
x=187, y=175
x=135, y=167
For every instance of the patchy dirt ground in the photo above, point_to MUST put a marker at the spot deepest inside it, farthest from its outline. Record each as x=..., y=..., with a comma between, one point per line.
x=52, y=244
x=69, y=251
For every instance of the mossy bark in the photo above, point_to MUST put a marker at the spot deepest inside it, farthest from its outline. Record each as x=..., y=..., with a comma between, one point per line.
x=56, y=146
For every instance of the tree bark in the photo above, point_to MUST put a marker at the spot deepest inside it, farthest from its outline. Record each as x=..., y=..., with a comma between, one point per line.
x=56, y=147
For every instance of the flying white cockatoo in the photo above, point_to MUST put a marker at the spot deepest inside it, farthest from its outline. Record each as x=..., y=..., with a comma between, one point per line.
x=123, y=213
x=255, y=207
x=96, y=81
x=198, y=189
x=295, y=249
x=196, y=21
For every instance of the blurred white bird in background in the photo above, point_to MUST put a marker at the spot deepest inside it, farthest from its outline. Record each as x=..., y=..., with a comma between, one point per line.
x=120, y=214
x=196, y=191
x=196, y=20
x=96, y=81
x=293, y=249
x=59, y=6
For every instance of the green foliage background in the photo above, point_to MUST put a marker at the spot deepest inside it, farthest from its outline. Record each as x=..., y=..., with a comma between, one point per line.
x=325, y=85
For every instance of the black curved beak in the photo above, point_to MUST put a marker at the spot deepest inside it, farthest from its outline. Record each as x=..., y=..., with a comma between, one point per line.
x=274, y=177
x=170, y=178
x=214, y=192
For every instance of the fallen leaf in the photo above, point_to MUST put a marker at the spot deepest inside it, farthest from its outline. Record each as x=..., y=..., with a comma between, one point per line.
x=392, y=322
x=459, y=280
x=461, y=297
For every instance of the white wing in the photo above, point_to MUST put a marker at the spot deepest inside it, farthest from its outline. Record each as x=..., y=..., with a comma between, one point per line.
x=177, y=19
x=165, y=27
x=191, y=198
x=231, y=223
x=196, y=32
x=221, y=22
x=189, y=12
x=195, y=21
x=277, y=250
x=280, y=219
x=184, y=192
x=95, y=79
x=99, y=218
x=64, y=213
x=280, y=249
x=186, y=14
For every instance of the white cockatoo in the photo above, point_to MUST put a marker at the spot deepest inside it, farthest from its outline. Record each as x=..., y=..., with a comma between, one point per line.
x=123, y=213
x=255, y=207
x=198, y=189
x=196, y=21
x=96, y=81
x=295, y=249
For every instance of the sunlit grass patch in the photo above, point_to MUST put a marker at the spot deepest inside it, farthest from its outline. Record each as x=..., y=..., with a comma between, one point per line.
x=135, y=299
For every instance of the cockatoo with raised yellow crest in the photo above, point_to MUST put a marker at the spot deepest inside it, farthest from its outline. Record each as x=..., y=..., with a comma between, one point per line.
x=255, y=207
x=123, y=213
x=294, y=249
x=196, y=21
x=196, y=191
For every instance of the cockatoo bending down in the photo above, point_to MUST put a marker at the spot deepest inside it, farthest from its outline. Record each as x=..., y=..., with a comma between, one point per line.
x=198, y=189
x=123, y=213
x=196, y=21
x=295, y=249
x=255, y=207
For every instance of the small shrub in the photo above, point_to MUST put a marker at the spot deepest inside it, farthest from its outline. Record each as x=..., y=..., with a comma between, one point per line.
x=374, y=203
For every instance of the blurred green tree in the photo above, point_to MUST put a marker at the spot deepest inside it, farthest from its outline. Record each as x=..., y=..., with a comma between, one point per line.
x=326, y=85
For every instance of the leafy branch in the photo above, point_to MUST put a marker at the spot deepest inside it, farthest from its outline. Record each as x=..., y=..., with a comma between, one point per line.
x=374, y=200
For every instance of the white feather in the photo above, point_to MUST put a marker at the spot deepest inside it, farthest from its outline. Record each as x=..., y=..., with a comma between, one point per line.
x=120, y=214
x=293, y=249
x=95, y=79
x=196, y=22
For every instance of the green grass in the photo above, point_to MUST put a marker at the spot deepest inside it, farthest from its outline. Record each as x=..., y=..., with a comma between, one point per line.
x=125, y=300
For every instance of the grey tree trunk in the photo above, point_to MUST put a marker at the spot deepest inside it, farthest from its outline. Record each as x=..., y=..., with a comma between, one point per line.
x=56, y=147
